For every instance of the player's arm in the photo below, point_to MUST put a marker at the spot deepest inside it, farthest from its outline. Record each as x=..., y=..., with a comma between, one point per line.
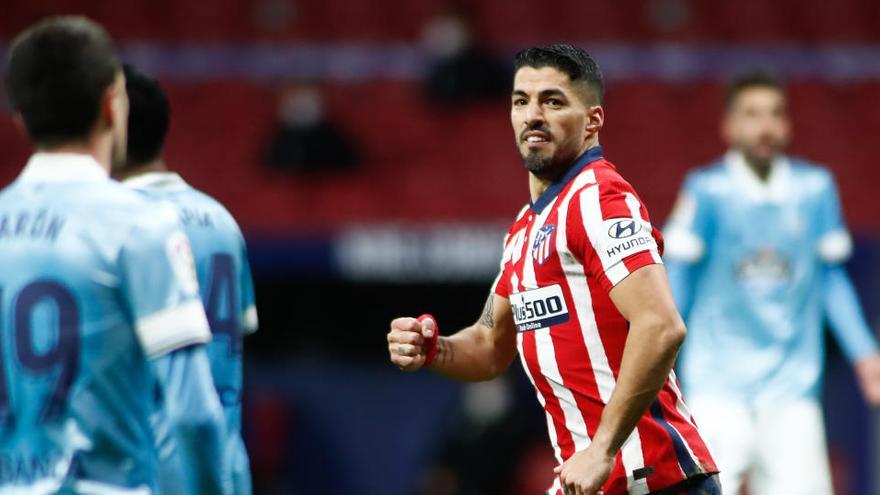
x=847, y=323
x=196, y=417
x=159, y=283
x=840, y=301
x=655, y=334
x=479, y=352
x=686, y=235
x=249, y=319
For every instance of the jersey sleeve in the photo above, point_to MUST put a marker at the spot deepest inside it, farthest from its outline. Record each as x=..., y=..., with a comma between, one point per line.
x=501, y=285
x=834, y=244
x=196, y=416
x=610, y=231
x=687, y=234
x=249, y=319
x=687, y=230
x=160, y=284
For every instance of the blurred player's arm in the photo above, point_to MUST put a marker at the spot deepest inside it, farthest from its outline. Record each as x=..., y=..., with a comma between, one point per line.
x=159, y=280
x=196, y=416
x=656, y=333
x=479, y=352
x=847, y=323
x=841, y=303
x=249, y=319
x=845, y=315
x=685, y=238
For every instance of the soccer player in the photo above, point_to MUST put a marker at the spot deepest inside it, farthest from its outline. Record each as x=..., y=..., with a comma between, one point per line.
x=583, y=296
x=99, y=304
x=220, y=255
x=755, y=248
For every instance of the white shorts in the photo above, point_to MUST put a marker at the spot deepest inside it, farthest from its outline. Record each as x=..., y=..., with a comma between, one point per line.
x=781, y=450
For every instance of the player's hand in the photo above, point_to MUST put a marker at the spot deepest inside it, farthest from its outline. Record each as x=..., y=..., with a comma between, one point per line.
x=585, y=472
x=408, y=341
x=868, y=374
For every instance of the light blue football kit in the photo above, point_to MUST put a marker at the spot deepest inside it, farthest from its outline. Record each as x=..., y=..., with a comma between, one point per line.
x=756, y=270
x=99, y=315
x=227, y=292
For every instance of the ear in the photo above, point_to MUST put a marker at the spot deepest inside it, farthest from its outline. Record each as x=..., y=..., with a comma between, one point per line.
x=108, y=104
x=595, y=120
x=114, y=102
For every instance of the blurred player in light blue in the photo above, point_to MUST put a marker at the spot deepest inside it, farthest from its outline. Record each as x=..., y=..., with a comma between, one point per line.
x=99, y=305
x=755, y=253
x=221, y=259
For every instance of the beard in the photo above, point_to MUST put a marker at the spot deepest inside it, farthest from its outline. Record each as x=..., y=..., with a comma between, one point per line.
x=547, y=167
x=762, y=152
x=535, y=163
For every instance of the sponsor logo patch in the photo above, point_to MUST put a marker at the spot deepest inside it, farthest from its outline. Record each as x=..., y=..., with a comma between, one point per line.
x=630, y=246
x=624, y=228
x=539, y=308
x=182, y=262
x=626, y=236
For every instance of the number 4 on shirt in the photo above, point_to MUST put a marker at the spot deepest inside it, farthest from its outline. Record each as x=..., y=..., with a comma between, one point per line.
x=221, y=301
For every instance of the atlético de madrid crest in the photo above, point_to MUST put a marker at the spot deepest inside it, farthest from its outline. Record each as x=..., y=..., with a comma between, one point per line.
x=543, y=245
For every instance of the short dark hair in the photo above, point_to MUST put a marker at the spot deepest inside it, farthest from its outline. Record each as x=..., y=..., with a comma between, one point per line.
x=149, y=115
x=750, y=80
x=571, y=60
x=56, y=75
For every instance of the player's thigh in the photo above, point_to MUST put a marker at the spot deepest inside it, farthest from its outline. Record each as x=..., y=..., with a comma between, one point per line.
x=728, y=428
x=792, y=452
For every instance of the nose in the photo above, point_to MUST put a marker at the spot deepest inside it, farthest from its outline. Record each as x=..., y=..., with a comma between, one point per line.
x=534, y=114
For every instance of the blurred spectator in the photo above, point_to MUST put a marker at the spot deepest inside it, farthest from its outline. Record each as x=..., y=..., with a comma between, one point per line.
x=461, y=68
x=306, y=141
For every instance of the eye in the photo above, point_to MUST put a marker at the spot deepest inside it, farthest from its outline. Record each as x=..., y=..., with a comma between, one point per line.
x=518, y=102
x=554, y=102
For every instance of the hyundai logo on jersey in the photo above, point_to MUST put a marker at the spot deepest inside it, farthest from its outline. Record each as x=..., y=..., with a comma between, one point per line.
x=624, y=228
x=543, y=244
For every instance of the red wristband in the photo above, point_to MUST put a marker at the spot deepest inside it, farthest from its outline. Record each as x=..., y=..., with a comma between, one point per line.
x=430, y=345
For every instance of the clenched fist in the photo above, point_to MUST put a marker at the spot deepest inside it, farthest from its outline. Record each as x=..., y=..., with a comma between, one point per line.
x=412, y=342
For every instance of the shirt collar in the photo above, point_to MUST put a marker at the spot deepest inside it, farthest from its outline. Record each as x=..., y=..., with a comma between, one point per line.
x=773, y=190
x=547, y=197
x=63, y=167
x=156, y=180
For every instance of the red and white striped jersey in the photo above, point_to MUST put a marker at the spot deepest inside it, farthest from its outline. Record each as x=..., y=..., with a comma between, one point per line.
x=562, y=256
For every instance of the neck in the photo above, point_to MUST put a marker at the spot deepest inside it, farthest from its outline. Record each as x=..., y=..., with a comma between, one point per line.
x=156, y=165
x=761, y=168
x=101, y=149
x=539, y=184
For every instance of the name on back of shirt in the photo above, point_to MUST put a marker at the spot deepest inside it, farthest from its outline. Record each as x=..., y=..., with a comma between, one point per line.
x=196, y=218
x=23, y=469
x=539, y=308
x=38, y=225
